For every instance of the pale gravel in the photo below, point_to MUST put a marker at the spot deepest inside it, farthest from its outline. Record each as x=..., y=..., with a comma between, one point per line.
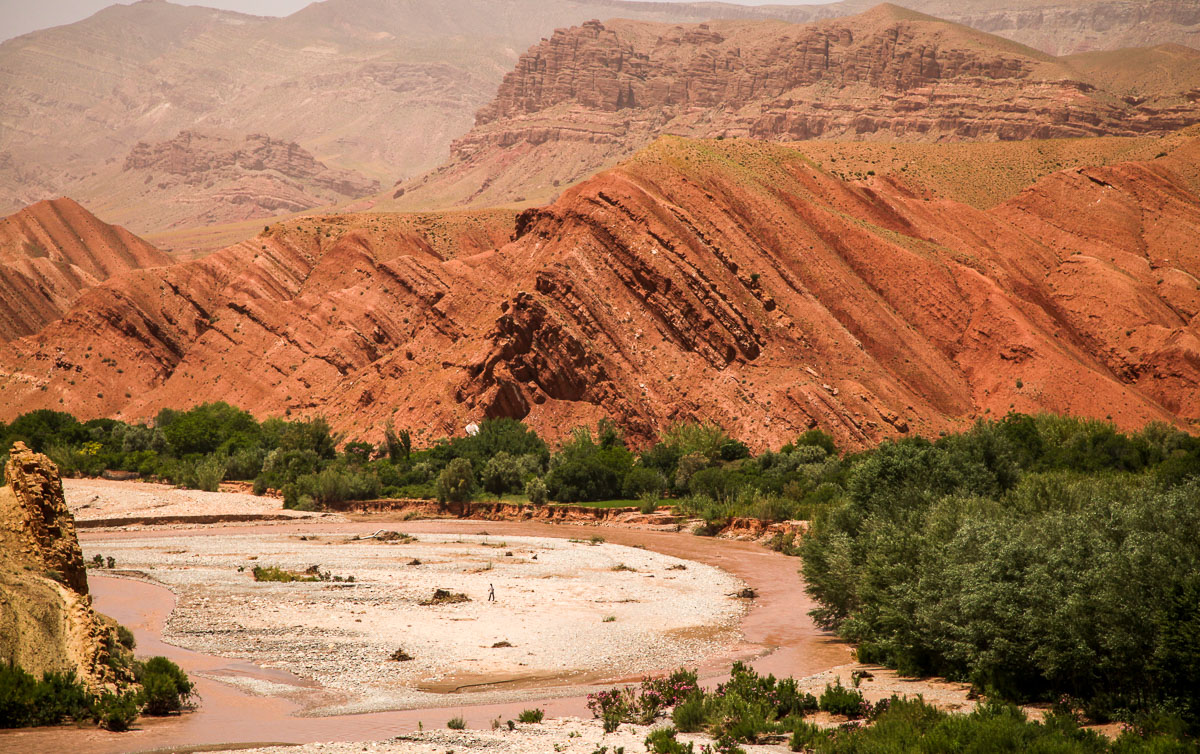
x=340, y=635
x=567, y=735
x=96, y=499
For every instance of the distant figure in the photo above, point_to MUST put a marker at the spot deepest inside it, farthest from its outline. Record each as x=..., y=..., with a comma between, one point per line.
x=491, y=593
x=534, y=556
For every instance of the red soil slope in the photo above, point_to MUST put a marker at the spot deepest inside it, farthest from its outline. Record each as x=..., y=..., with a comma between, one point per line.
x=730, y=280
x=593, y=94
x=53, y=250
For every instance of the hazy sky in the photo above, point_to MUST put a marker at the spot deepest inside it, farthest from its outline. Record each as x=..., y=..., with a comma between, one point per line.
x=23, y=16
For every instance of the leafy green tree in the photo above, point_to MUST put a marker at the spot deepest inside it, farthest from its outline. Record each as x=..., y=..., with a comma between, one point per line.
x=456, y=483
x=501, y=474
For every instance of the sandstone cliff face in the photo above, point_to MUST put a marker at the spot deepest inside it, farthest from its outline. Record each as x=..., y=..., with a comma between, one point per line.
x=1062, y=28
x=196, y=156
x=729, y=280
x=593, y=94
x=53, y=251
x=203, y=178
x=46, y=618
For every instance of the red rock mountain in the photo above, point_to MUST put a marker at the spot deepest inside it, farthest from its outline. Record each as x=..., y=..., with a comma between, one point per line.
x=380, y=87
x=591, y=95
x=51, y=252
x=730, y=280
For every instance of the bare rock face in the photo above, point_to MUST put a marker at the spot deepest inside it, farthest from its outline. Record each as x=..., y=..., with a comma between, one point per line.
x=47, y=623
x=45, y=521
x=872, y=292
x=202, y=178
x=51, y=252
x=595, y=93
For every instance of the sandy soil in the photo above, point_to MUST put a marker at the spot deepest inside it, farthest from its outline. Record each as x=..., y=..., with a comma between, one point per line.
x=569, y=735
x=101, y=499
x=570, y=610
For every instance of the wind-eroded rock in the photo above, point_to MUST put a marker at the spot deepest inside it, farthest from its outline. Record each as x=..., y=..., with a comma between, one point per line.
x=51, y=252
x=593, y=94
x=733, y=280
x=46, y=620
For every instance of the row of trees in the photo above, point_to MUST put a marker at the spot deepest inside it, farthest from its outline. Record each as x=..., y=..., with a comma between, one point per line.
x=1039, y=558
x=708, y=474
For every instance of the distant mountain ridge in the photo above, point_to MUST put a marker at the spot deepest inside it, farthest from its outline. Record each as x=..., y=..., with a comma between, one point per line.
x=593, y=94
x=376, y=87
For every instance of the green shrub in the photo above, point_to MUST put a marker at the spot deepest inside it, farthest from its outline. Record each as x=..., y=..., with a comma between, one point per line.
x=643, y=481
x=456, y=483
x=662, y=741
x=839, y=700
x=456, y=723
x=691, y=715
x=275, y=573
x=501, y=474
x=116, y=712
x=125, y=637
x=531, y=716
x=535, y=490
x=165, y=687
x=27, y=702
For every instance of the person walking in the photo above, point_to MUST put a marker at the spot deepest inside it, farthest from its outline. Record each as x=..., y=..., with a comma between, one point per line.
x=491, y=593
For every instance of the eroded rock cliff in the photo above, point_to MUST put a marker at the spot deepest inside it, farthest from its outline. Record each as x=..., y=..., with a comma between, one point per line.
x=51, y=252
x=593, y=94
x=730, y=280
x=47, y=623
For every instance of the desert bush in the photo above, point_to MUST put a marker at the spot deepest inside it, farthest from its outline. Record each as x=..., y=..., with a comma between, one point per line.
x=535, y=490
x=206, y=474
x=839, y=700
x=663, y=741
x=456, y=483
x=28, y=702
x=648, y=503
x=275, y=573
x=125, y=637
x=444, y=597
x=116, y=712
x=166, y=689
x=531, y=716
x=456, y=723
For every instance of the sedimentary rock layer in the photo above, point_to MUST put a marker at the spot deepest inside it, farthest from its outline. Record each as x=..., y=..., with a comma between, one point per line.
x=591, y=95
x=52, y=251
x=733, y=280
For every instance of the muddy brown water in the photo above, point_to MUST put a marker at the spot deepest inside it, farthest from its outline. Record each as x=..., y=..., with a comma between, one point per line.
x=777, y=633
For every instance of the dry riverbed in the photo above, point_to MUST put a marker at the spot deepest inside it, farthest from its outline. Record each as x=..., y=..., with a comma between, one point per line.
x=567, y=613
x=93, y=500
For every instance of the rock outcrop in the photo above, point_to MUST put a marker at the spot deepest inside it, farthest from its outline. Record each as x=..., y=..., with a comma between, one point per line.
x=215, y=179
x=768, y=288
x=46, y=620
x=593, y=94
x=51, y=252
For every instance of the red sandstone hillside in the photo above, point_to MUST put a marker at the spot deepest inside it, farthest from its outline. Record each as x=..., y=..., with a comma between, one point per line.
x=51, y=252
x=729, y=280
x=592, y=95
x=377, y=87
